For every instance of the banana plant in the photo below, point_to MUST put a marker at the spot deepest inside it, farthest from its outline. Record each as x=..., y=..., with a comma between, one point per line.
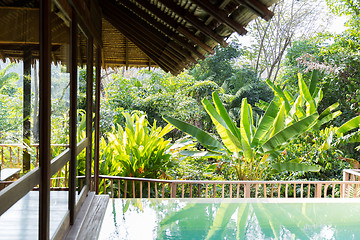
x=342, y=136
x=251, y=146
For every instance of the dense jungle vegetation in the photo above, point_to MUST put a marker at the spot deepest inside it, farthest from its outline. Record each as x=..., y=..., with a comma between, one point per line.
x=285, y=106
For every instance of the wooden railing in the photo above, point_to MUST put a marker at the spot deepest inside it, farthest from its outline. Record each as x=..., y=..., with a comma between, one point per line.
x=11, y=154
x=125, y=187
x=21, y=187
x=351, y=174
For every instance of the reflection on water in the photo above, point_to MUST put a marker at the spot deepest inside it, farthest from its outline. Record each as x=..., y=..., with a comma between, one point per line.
x=222, y=219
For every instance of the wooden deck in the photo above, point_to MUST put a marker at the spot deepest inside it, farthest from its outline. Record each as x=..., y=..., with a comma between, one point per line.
x=21, y=220
x=89, y=220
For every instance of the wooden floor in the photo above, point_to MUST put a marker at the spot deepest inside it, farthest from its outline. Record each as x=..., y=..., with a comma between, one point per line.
x=21, y=220
x=89, y=220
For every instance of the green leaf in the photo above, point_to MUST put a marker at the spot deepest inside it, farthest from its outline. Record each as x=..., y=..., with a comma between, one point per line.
x=304, y=91
x=203, y=137
x=265, y=123
x=280, y=93
x=294, y=167
x=279, y=121
x=223, y=113
x=313, y=82
x=349, y=125
x=200, y=153
x=288, y=133
x=245, y=129
x=228, y=137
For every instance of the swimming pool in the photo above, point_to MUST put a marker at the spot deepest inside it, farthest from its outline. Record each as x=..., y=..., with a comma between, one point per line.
x=232, y=219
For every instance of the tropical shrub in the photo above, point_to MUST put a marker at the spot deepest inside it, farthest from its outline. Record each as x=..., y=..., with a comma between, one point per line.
x=253, y=145
x=137, y=150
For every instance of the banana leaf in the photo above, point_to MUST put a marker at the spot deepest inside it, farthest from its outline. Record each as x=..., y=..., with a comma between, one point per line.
x=228, y=137
x=288, y=133
x=304, y=91
x=189, y=153
x=265, y=123
x=203, y=137
x=280, y=93
x=245, y=129
x=314, y=82
x=349, y=125
x=294, y=167
x=223, y=113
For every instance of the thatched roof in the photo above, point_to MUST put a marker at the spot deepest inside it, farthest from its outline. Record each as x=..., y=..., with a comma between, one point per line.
x=172, y=34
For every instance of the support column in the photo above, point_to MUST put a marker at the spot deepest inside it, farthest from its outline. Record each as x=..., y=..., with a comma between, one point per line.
x=73, y=117
x=89, y=107
x=44, y=119
x=97, y=119
x=26, y=107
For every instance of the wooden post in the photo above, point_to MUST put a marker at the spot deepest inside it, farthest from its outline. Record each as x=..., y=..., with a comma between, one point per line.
x=247, y=190
x=44, y=119
x=97, y=119
x=89, y=107
x=26, y=108
x=73, y=117
x=173, y=190
x=318, y=187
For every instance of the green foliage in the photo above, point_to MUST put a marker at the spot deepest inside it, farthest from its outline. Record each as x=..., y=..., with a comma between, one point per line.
x=252, y=146
x=10, y=105
x=308, y=148
x=156, y=94
x=218, y=67
x=137, y=150
x=340, y=84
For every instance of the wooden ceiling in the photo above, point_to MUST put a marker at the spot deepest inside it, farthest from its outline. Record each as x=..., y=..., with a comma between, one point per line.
x=171, y=34
x=175, y=34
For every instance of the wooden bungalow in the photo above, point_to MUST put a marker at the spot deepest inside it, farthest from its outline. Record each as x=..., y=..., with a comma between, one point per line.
x=170, y=34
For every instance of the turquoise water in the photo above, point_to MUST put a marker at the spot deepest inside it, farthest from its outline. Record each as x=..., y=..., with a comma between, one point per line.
x=231, y=219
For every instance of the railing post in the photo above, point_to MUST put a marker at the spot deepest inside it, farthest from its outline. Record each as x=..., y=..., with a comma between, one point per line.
x=173, y=190
x=345, y=176
x=247, y=190
x=318, y=187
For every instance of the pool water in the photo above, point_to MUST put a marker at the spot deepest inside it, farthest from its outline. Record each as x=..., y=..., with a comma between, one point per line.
x=140, y=219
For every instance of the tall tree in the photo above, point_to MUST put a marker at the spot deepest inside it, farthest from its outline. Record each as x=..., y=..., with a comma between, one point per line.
x=293, y=19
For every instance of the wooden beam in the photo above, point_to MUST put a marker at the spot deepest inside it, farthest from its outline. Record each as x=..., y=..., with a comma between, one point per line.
x=258, y=8
x=2, y=56
x=84, y=15
x=20, y=46
x=200, y=43
x=165, y=30
x=26, y=107
x=220, y=15
x=97, y=118
x=73, y=116
x=89, y=108
x=193, y=20
x=44, y=119
x=221, y=6
x=126, y=53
